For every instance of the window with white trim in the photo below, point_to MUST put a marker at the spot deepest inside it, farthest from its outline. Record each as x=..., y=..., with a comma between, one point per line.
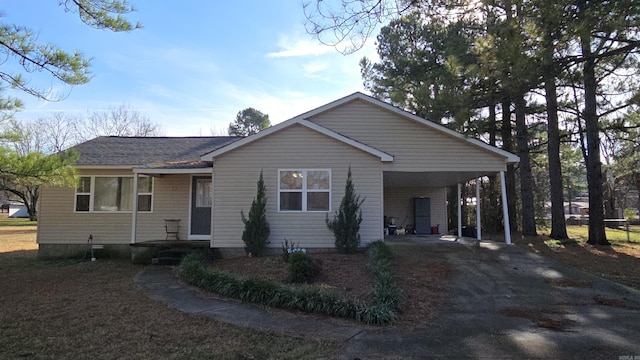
x=112, y=194
x=304, y=190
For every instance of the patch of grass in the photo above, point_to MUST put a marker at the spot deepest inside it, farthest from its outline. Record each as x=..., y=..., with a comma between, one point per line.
x=562, y=242
x=616, y=236
x=7, y=221
x=17, y=238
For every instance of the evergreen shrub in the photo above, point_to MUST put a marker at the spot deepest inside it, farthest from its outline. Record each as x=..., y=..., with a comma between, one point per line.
x=302, y=268
x=256, y=228
x=346, y=221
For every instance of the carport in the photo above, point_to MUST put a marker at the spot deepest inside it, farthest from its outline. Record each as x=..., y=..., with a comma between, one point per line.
x=401, y=187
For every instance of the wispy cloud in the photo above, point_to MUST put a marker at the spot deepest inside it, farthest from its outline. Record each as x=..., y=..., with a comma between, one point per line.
x=298, y=46
x=315, y=66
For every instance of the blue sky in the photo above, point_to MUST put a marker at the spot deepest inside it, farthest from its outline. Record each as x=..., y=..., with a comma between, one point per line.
x=193, y=66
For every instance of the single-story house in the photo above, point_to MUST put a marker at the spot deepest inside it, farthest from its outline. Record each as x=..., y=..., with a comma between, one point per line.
x=401, y=165
x=576, y=208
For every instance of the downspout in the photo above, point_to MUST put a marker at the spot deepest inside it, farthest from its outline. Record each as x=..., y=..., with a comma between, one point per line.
x=505, y=210
x=381, y=217
x=459, y=210
x=134, y=213
x=478, y=225
x=213, y=207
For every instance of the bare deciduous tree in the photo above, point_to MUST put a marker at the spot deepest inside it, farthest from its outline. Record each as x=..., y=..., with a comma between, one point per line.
x=117, y=121
x=46, y=135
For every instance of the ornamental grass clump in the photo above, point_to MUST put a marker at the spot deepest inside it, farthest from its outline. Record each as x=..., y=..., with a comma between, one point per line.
x=384, y=293
x=193, y=268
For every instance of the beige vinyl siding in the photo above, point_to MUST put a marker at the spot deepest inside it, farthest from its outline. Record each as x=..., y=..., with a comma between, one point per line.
x=398, y=203
x=170, y=201
x=296, y=147
x=58, y=223
x=415, y=147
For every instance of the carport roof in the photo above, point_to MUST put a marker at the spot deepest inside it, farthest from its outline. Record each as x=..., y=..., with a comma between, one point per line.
x=430, y=179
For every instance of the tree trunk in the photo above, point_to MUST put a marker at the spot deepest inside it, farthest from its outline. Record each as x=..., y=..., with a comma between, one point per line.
x=558, y=224
x=510, y=176
x=526, y=177
x=637, y=182
x=597, y=234
x=452, y=207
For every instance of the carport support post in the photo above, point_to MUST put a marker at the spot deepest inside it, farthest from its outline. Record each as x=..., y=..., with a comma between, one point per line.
x=478, y=226
x=134, y=213
x=505, y=209
x=459, y=210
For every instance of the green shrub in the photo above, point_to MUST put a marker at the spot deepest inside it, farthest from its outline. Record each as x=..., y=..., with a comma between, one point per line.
x=346, y=221
x=302, y=268
x=256, y=228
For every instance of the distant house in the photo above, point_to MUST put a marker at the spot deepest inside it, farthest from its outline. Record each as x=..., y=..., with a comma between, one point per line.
x=576, y=208
x=129, y=186
x=17, y=210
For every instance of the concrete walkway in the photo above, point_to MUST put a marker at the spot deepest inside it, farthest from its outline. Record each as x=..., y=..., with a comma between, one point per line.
x=507, y=303
x=160, y=283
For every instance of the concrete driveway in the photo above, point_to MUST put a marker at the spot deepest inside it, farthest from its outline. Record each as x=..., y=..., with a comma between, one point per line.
x=509, y=303
x=506, y=303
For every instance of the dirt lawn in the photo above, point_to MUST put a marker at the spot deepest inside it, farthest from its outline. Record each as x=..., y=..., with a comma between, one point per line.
x=92, y=310
x=619, y=262
x=83, y=309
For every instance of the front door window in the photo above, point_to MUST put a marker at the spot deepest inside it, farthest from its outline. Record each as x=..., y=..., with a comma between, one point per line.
x=201, y=206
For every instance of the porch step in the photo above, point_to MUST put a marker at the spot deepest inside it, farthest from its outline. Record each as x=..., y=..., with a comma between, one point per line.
x=169, y=257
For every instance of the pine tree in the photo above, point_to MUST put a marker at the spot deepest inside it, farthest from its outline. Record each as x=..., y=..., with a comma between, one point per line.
x=256, y=228
x=346, y=222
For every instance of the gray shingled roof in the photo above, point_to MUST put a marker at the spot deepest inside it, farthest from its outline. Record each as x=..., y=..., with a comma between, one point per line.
x=115, y=150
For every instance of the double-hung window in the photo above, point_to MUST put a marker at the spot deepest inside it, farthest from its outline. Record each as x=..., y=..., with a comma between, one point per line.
x=112, y=194
x=304, y=190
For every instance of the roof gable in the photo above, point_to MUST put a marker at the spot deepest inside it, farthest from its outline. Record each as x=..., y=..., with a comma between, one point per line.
x=303, y=120
x=510, y=158
x=299, y=121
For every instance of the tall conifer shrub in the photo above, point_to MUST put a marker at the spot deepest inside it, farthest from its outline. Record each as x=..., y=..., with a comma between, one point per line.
x=256, y=228
x=346, y=221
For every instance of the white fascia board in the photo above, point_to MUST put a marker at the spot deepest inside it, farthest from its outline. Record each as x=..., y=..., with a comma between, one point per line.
x=336, y=103
x=105, y=167
x=236, y=144
x=308, y=124
x=161, y=171
x=358, y=145
x=509, y=157
x=143, y=171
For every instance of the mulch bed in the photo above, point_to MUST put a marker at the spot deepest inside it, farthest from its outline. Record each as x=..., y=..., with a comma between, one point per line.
x=421, y=276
